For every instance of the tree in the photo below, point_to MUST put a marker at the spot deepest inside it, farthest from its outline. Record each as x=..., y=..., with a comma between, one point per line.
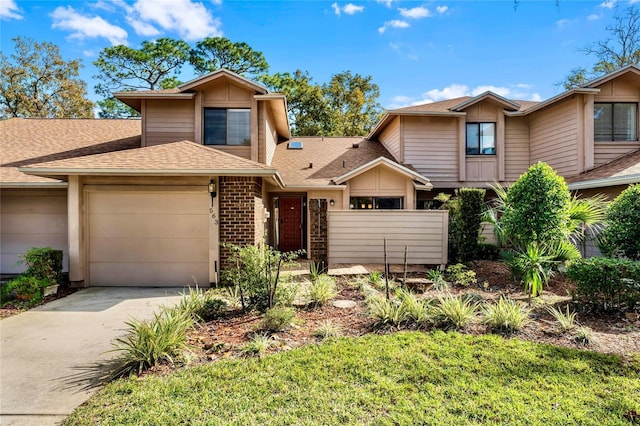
x=308, y=111
x=621, y=236
x=38, y=82
x=154, y=66
x=353, y=103
x=621, y=48
x=213, y=53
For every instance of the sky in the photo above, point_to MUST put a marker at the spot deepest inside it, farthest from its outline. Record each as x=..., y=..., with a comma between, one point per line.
x=415, y=51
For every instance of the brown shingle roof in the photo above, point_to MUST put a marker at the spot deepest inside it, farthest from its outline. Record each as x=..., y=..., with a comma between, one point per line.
x=446, y=105
x=331, y=157
x=176, y=157
x=28, y=141
x=628, y=165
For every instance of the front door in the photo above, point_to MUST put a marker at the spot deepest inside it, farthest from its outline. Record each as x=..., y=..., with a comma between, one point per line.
x=290, y=212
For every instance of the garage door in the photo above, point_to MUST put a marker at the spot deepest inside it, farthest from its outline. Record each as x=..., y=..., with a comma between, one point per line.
x=148, y=238
x=31, y=218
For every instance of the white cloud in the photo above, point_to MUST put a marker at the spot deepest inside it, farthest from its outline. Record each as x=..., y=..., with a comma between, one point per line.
x=191, y=20
x=216, y=2
x=442, y=9
x=449, y=92
x=535, y=97
x=393, y=24
x=608, y=4
x=388, y=2
x=9, y=10
x=349, y=9
x=502, y=91
x=83, y=27
x=593, y=17
x=415, y=13
x=562, y=22
x=523, y=86
x=89, y=53
x=142, y=28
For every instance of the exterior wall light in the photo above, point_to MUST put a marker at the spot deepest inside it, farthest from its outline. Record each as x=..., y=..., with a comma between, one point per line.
x=332, y=203
x=213, y=190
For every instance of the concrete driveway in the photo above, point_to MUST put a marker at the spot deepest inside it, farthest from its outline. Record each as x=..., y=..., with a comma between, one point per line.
x=53, y=358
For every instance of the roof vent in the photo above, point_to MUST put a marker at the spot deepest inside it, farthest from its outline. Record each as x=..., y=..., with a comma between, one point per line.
x=355, y=145
x=294, y=145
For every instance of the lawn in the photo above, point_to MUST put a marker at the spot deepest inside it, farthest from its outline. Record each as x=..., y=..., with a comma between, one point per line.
x=401, y=378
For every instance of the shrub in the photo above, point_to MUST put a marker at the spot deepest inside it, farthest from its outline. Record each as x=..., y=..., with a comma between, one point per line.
x=566, y=320
x=459, y=274
x=386, y=313
x=375, y=277
x=286, y=293
x=438, y=280
x=258, y=345
x=506, y=315
x=150, y=343
x=488, y=251
x=532, y=266
x=277, y=319
x=321, y=290
x=328, y=330
x=211, y=309
x=468, y=219
x=606, y=283
x=455, y=312
x=584, y=335
x=202, y=305
x=44, y=263
x=417, y=312
x=27, y=288
x=537, y=208
x=621, y=236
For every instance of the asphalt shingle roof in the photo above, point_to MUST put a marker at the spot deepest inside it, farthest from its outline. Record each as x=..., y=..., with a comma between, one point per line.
x=627, y=165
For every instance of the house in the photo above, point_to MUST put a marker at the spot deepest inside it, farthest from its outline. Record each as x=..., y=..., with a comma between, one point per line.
x=212, y=162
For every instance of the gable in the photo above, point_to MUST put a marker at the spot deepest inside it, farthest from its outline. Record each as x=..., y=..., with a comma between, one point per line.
x=225, y=91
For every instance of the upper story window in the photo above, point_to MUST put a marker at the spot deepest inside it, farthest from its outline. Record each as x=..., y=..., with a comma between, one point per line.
x=227, y=126
x=481, y=138
x=615, y=121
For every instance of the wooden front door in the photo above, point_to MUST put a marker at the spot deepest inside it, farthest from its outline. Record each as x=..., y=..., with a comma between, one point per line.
x=290, y=211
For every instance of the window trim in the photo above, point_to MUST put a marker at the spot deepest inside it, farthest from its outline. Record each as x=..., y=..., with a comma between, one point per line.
x=372, y=204
x=613, y=137
x=227, y=132
x=480, y=147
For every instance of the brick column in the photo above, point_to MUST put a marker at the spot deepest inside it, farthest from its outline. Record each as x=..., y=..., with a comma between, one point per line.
x=318, y=240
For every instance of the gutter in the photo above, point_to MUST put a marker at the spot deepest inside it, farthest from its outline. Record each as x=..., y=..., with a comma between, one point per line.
x=34, y=185
x=610, y=181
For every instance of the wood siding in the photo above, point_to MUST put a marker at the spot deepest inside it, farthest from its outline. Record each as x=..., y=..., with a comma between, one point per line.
x=168, y=121
x=390, y=138
x=516, y=147
x=357, y=236
x=431, y=147
x=605, y=152
x=554, y=137
x=270, y=139
x=31, y=218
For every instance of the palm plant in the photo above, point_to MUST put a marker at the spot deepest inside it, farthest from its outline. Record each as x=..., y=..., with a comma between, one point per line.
x=536, y=267
x=586, y=215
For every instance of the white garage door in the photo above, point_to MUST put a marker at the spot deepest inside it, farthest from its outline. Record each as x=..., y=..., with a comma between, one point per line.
x=31, y=218
x=148, y=238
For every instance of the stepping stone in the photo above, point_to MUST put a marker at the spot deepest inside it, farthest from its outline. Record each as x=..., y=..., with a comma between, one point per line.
x=344, y=304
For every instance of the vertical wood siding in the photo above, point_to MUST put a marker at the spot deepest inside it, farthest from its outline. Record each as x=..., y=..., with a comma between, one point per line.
x=357, y=236
x=431, y=146
x=516, y=147
x=554, y=137
x=169, y=121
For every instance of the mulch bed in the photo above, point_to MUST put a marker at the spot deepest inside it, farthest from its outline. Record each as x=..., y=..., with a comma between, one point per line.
x=15, y=307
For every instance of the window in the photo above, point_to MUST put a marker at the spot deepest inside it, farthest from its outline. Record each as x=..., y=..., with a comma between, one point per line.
x=227, y=126
x=481, y=138
x=615, y=121
x=378, y=203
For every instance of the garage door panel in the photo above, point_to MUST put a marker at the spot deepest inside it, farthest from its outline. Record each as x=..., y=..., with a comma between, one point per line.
x=34, y=223
x=154, y=274
x=157, y=250
x=154, y=203
x=137, y=226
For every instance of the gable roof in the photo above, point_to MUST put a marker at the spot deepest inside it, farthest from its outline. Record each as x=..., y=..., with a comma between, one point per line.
x=223, y=72
x=488, y=95
x=323, y=159
x=25, y=141
x=622, y=171
x=632, y=68
x=175, y=159
x=382, y=161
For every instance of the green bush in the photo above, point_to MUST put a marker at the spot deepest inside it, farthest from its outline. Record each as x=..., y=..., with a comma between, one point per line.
x=211, y=309
x=506, y=315
x=26, y=288
x=257, y=346
x=606, y=283
x=537, y=208
x=469, y=217
x=488, y=251
x=321, y=290
x=44, y=263
x=461, y=275
x=531, y=265
x=328, y=330
x=386, y=313
x=455, y=312
x=621, y=236
x=418, y=312
x=277, y=319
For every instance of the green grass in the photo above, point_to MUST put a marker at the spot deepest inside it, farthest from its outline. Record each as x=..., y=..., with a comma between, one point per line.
x=403, y=378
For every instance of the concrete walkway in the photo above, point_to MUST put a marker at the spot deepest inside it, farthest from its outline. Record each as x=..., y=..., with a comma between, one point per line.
x=53, y=358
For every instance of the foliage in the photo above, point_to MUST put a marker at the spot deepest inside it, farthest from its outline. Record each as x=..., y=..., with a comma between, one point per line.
x=586, y=214
x=584, y=335
x=321, y=290
x=488, y=251
x=386, y=313
x=375, y=277
x=26, y=287
x=44, y=263
x=506, y=315
x=277, y=319
x=436, y=276
x=418, y=312
x=532, y=266
x=459, y=274
x=402, y=378
x=202, y=305
x=153, y=342
x=286, y=293
x=467, y=222
x=455, y=311
x=328, y=330
x=620, y=48
x=258, y=345
x=37, y=82
x=537, y=208
x=566, y=319
x=606, y=283
x=211, y=309
x=111, y=107
x=256, y=270
x=621, y=236
x=214, y=53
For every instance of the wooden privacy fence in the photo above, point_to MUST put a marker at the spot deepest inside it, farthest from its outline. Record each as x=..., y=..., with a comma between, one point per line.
x=358, y=236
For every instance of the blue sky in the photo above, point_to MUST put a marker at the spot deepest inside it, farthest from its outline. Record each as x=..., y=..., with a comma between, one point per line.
x=416, y=51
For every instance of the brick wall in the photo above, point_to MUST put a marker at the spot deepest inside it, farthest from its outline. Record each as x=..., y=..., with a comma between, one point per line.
x=318, y=241
x=240, y=202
